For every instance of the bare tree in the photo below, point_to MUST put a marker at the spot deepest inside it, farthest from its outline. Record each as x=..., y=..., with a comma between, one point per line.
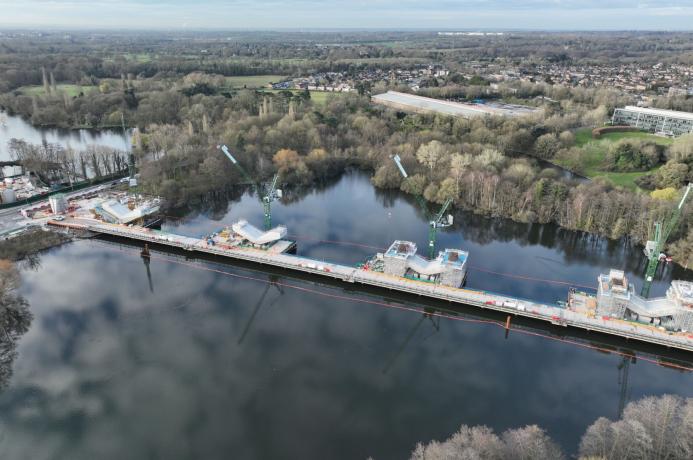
x=430, y=154
x=480, y=442
x=651, y=428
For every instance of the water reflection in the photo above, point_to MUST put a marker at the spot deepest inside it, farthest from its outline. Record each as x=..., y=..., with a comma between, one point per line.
x=15, y=319
x=352, y=211
x=219, y=361
x=77, y=139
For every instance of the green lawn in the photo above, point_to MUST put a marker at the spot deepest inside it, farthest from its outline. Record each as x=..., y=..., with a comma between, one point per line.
x=596, y=152
x=71, y=90
x=584, y=136
x=253, y=81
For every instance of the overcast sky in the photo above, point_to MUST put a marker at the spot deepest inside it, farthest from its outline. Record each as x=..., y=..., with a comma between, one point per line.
x=391, y=14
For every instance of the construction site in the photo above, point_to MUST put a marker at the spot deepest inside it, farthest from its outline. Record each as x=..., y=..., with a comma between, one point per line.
x=440, y=275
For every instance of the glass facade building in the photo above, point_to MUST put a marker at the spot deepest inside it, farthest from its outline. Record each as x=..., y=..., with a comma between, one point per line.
x=658, y=121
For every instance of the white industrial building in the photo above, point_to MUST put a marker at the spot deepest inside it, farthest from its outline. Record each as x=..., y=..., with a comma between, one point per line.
x=420, y=104
x=658, y=121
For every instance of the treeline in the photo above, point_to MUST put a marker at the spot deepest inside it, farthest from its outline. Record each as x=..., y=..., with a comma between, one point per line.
x=474, y=162
x=477, y=162
x=81, y=57
x=55, y=163
x=651, y=428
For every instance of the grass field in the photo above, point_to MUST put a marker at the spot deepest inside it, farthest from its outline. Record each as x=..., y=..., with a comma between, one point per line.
x=253, y=81
x=596, y=152
x=584, y=136
x=137, y=57
x=71, y=90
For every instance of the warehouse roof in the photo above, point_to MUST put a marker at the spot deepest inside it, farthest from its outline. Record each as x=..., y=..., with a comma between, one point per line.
x=428, y=104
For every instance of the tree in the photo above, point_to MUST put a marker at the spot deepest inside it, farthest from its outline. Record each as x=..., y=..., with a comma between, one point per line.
x=430, y=154
x=665, y=194
x=490, y=159
x=480, y=442
x=629, y=155
x=651, y=428
x=459, y=164
x=547, y=146
x=291, y=167
x=414, y=185
x=682, y=148
x=567, y=139
x=672, y=174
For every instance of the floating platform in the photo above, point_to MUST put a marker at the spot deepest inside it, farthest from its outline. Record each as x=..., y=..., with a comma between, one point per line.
x=483, y=299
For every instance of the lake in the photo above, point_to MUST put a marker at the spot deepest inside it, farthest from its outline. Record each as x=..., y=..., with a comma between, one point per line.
x=78, y=139
x=197, y=359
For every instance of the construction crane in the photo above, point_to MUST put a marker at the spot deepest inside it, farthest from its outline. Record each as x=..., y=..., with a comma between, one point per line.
x=653, y=251
x=266, y=192
x=440, y=220
x=654, y=248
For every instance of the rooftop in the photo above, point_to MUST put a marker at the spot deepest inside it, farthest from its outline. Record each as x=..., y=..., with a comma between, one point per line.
x=660, y=112
x=451, y=108
x=454, y=257
x=402, y=249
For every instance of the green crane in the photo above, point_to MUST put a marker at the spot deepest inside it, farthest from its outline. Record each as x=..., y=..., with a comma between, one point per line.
x=654, y=248
x=440, y=220
x=266, y=192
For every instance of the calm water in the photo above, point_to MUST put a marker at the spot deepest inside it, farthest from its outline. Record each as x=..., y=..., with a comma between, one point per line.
x=220, y=364
x=78, y=139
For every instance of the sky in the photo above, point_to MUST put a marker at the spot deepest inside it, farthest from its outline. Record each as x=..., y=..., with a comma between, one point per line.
x=359, y=14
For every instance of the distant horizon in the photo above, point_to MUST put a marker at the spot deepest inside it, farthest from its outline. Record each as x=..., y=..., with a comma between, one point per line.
x=354, y=15
x=60, y=28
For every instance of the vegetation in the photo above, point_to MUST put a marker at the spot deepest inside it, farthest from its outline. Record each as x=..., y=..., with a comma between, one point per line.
x=530, y=442
x=63, y=88
x=182, y=102
x=622, y=158
x=252, y=81
x=29, y=243
x=651, y=428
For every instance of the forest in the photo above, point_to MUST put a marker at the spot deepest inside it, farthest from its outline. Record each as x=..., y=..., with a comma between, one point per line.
x=176, y=96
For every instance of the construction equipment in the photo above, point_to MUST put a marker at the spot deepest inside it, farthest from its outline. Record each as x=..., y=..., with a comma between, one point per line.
x=439, y=220
x=266, y=192
x=654, y=248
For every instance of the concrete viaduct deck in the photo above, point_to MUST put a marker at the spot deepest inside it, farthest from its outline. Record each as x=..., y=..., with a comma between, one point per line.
x=482, y=299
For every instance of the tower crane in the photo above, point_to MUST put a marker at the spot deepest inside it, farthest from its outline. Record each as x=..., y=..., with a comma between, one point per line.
x=654, y=248
x=653, y=251
x=267, y=192
x=439, y=220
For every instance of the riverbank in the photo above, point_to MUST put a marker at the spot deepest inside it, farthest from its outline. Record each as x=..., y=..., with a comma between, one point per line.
x=31, y=242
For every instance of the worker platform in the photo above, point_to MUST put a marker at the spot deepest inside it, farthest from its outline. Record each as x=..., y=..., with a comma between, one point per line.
x=402, y=270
